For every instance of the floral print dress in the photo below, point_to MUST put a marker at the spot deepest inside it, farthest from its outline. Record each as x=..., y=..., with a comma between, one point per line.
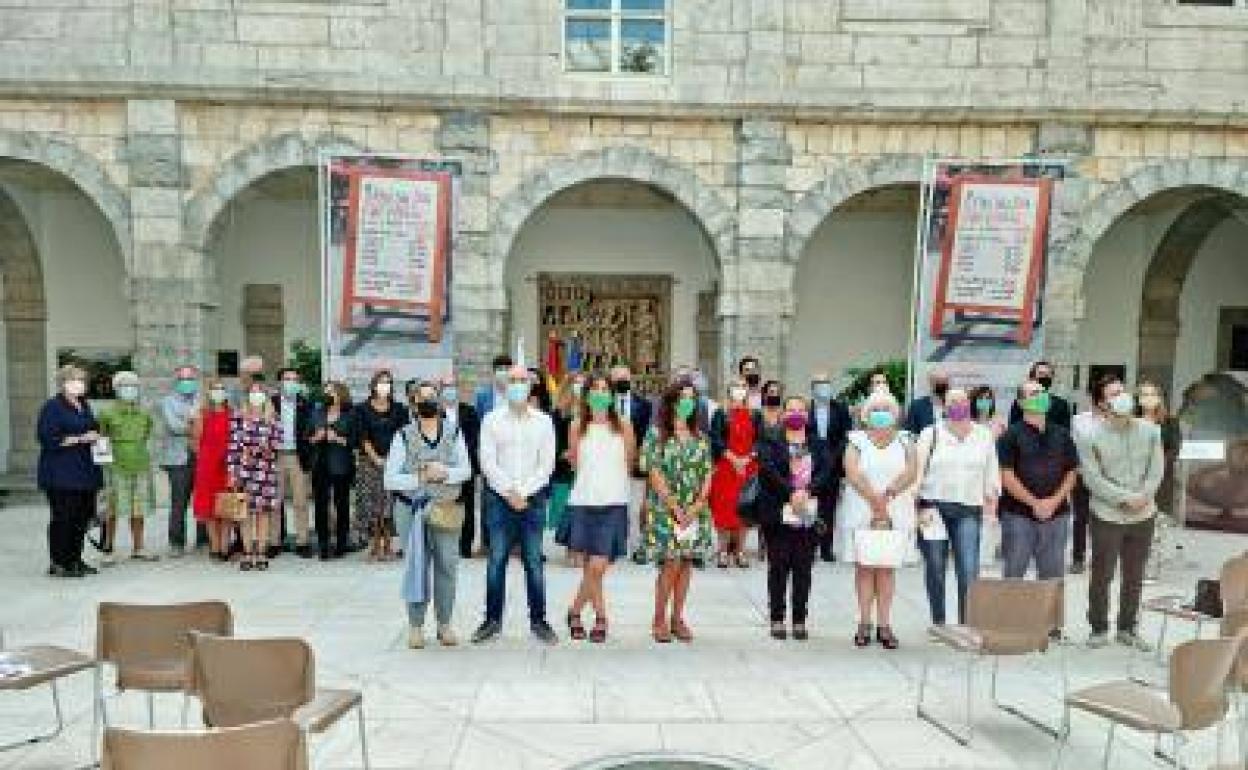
x=252, y=461
x=685, y=465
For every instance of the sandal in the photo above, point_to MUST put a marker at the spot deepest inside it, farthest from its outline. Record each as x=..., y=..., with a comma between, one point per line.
x=681, y=631
x=262, y=564
x=743, y=562
x=598, y=634
x=863, y=637
x=722, y=560
x=885, y=636
x=576, y=628
x=244, y=564
x=661, y=634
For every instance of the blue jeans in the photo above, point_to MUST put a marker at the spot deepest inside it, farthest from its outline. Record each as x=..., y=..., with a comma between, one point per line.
x=508, y=528
x=963, y=524
x=1024, y=538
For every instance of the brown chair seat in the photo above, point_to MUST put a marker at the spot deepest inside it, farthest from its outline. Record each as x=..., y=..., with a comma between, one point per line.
x=47, y=663
x=325, y=709
x=988, y=641
x=154, y=676
x=262, y=746
x=1130, y=704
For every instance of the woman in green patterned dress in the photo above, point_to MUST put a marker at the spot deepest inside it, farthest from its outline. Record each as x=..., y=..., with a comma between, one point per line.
x=677, y=460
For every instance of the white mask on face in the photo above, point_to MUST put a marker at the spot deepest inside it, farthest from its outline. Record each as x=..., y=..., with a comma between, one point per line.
x=216, y=396
x=1150, y=401
x=383, y=389
x=257, y=398
x=738, y=393
x=75, y=388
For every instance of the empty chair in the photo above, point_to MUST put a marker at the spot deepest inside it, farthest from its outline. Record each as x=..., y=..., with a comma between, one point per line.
x=274, y=745
x=240, y=681
x=1008, y=617
x=1200, y=675
x=35, y=665
x=149, y=644
x=1233, y=587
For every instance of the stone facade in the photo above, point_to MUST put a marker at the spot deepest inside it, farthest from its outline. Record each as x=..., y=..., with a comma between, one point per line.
x=777, y=112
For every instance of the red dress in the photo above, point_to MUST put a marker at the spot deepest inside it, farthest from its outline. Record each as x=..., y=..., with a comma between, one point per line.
x=211, y=476
x=726, y=483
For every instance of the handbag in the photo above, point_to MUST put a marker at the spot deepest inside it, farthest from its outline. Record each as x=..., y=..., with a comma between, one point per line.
x=747, y=500
x=880, y=546
x=1208, y=598
x=230, y=506
x=445, y=515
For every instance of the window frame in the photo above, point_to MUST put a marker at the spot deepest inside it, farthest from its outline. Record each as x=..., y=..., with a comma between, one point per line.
x=615, y=16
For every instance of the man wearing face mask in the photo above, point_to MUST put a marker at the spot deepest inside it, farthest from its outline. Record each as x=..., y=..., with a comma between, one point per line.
x=176, y=457
x=517, y=458
x=493, y=393
x=128, y=479
x=294, y=461
x=924, y=412
x=750, y=371
x=1122, y=464
x=1059, y=408
x=827, y=426
x=465, y=416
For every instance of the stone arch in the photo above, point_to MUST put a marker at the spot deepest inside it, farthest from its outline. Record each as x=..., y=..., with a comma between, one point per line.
x=635, y=164
x=845, y=182
x=249, y=165
x=86, y=173
x=25, y=313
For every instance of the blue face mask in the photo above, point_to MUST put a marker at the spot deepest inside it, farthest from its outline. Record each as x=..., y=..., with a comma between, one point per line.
x=450, y=395
x=291, y=389
x=880, y=419
x=822, y=391
x=518, y=392
x=187, y=387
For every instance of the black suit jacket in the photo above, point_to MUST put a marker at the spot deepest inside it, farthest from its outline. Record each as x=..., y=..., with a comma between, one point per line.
x=832, y=445
x=919, y=414
x=774, y=487
x=640, y=416
x=304, y=418
x=470, y=426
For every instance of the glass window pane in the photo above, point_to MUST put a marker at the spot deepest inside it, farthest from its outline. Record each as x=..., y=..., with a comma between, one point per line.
x=589, y=5
x=589, y=45
x=652, y=6
x=643, y=46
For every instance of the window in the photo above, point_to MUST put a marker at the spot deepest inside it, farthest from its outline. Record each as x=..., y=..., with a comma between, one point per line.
x=1219, y=3
x=625, y=37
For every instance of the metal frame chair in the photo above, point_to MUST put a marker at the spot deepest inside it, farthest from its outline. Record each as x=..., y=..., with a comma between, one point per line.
x=277, y=745
x=1233, y=584
x=1009, y=617
x=242, y=681
x=47, y=664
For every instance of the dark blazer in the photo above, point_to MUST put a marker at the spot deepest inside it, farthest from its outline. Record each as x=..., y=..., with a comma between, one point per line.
x=331, y=458
x=303, y=419
x=469, y=421
x=718, y=434
x=920, y=414
x=60, y=467
x=1059, y=412
x=833, y=445
x=774, y=487
x=640, y=415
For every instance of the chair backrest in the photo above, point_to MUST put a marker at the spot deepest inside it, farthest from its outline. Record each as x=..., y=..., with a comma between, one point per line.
x=1233, y=584
x=137, y=634
x=269, y=745
x=1233, y=624
x=241, y=681
x=1025, y=610
x=1200, y=675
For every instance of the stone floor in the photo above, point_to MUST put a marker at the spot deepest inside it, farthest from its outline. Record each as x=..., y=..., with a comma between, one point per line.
x=515, y=704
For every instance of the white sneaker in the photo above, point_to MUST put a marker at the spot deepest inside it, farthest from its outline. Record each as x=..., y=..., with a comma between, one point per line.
x=416, y=638
x=1133, y=640
x=1098, y=640
x=446, y=636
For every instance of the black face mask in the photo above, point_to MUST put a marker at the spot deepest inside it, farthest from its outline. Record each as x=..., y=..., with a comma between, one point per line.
x=940, y=389
x=753, y=378
x=622, y=387
x=1045, y=382
x=427, y=409
x=772, y=400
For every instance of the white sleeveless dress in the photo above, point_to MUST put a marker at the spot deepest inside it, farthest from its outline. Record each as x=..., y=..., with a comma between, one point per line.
x=880, y=466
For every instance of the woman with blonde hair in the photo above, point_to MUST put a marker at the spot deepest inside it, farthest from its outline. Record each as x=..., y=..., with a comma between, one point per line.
x=255, y=437
x=210, y=435
x=879, y=467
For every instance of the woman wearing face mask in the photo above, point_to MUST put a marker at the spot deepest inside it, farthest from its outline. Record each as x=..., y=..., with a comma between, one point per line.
x=677, y=461
x=67, y=475
x=210, y=435
x=255, y=438
x=128, y=479
x=332, y=436
x=378, y=419
x=879, y=467
x=602, y=449
x=959, y=482
x=734, y=430
x=984, y=410
x=791, y=479
x=567, y=411
x=1151, y=405
x=773, y=406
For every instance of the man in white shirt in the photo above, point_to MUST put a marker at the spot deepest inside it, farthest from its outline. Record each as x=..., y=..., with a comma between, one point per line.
x=517, y=455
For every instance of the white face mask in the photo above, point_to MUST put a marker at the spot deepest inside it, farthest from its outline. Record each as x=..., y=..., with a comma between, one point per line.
x=75, y=388
x=738, y=393
x=1150, y=401
x=383, y=389
x=257, y=398
x=216, y=396
x=1122, y=404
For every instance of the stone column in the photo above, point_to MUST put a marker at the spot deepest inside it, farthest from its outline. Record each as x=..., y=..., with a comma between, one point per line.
x=26, y=346
x=478, y=293
x=165, y=282
x=757, y=304
x=264, y=324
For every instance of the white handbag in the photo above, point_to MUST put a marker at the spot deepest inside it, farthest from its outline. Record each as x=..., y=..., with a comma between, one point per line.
x=881, y=547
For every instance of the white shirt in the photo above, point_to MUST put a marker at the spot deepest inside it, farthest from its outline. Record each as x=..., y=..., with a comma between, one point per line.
x=288, y=406
x=959, y=470
x=822, y=412
x=1085, y=424
x=602, y=469
x=517, y=451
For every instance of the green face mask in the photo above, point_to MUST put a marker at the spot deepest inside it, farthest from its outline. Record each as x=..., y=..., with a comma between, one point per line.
x=599, y=402
x=1037, y=404
x=685, y=408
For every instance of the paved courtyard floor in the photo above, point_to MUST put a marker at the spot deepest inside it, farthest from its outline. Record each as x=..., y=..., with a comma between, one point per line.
x=516, y=704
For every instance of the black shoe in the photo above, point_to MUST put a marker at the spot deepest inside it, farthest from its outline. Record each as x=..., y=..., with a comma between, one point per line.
x=272, y=552
x=779, y=632
x=827, y=555
x=325, y=554
x=487, y=631
x=303, y=551
x=58, y=571
x=544, y=633
x=86, y=569
x=341, y=551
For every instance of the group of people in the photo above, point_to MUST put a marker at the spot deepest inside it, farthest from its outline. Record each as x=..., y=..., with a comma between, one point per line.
x=683, y=476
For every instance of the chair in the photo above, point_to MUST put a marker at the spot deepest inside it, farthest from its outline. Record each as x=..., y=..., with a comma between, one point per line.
x=37, y=665
x=1233, y=586
x=241, y=681
x=1200, y=676
x=268, y=745
x=1004, y=618
x=149, y=644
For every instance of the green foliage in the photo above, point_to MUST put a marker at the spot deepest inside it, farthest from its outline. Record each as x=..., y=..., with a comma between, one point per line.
x=896, y=371
x=307, y=359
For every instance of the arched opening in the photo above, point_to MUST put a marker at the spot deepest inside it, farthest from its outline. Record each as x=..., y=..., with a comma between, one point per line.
x=642, y=266
x=263, y=254
x=1166, y=289
x=854, y=283
x=63, y=297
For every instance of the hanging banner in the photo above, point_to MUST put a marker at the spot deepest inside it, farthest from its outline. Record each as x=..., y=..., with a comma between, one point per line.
x=387, y=244
x=980, y=272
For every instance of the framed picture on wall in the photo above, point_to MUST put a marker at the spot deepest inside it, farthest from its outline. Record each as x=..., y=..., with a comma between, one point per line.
x=227, y=363
x=100, y=365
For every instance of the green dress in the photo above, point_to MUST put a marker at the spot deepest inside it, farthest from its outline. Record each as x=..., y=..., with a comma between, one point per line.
x=685, y=465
